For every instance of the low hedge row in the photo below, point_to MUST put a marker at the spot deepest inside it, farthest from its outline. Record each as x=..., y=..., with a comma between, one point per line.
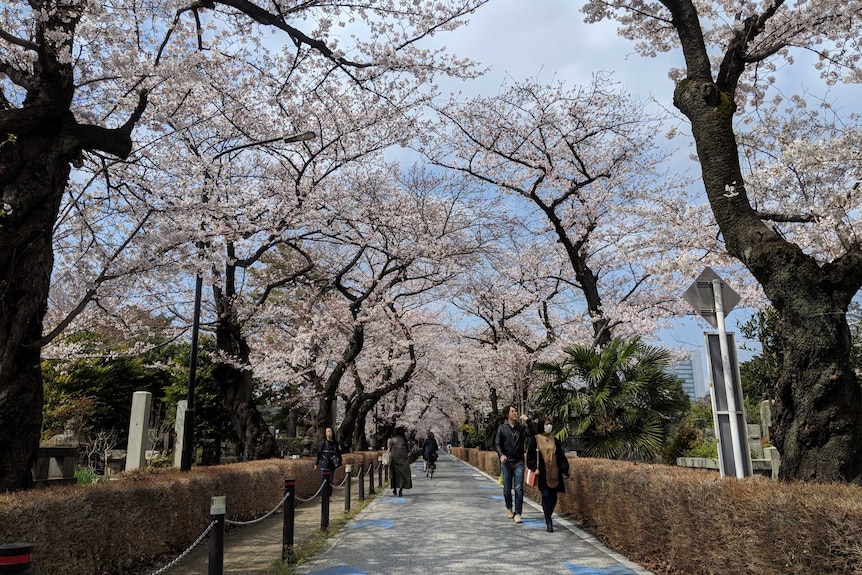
x=146, y=516
x=685, y=521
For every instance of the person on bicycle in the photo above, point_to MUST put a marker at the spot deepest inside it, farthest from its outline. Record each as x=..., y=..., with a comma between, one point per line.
x=429, y=451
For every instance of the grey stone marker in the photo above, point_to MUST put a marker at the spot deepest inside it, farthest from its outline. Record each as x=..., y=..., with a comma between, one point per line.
x=139, y=423
x=179, y=431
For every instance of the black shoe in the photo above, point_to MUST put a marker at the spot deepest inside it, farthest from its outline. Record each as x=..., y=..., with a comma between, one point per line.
x=394, y=491
x=400, y=492
x=550, y=528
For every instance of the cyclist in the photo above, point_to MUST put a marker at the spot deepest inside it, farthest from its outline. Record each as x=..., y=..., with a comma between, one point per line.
x=429, y=452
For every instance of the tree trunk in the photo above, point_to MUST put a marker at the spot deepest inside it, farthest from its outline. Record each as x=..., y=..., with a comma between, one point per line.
x=38, y=141
x=33, y=177
x=360, y=442
x=236, y=384
x=817, y=425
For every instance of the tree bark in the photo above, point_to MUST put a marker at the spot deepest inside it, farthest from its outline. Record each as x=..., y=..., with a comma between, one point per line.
x=817, y=423
x=236, y=383
x=33, y=175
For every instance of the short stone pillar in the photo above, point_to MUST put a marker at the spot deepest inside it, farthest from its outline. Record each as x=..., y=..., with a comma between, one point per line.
x=115, y=462
x=771, y=453
x=179, y=432
x=139, y=424
x=766, y=418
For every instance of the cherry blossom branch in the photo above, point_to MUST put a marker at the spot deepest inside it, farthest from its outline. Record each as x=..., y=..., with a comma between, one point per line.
x=91, y=292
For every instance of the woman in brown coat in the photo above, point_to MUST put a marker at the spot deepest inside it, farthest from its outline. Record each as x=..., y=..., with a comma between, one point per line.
x=545, y=456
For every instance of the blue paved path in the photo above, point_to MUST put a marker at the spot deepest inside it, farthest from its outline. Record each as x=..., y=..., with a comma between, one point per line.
x=456, y=523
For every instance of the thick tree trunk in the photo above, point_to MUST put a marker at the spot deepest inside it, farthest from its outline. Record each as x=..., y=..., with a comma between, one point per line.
x=40, y=138
x=236, y=384
x=817, y=424
x=360, y=441
x=32, y=181
x=817, y=421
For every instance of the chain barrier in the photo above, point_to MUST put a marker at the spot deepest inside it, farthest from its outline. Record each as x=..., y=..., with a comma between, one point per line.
x=259, y=519
x=186, y=552
x=322, y=483
x=343, y=481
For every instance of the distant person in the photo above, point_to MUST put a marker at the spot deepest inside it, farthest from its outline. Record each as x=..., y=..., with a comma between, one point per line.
x=509, y=442
x=429, y=451
x=551, y=464
x=328, y=456
x=399, y=459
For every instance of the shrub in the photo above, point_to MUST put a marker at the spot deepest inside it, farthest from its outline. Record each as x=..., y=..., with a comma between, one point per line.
x=707, y=447
x=86, y=475
x=289, y=445
x=161, y=461
x=685, y=438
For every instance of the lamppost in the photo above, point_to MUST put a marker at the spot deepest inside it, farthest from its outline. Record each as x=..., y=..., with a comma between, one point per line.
x=189, y=421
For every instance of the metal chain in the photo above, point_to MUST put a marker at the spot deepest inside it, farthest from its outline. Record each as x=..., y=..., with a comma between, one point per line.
x=322, y=483
x=343, y=481
x=259, y=519
x=186, y=552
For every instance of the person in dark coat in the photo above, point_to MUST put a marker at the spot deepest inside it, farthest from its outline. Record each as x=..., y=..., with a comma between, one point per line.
x=399, y=459
x=545, y=456
x=328, y=456
x=509, y=443
x=429, y=451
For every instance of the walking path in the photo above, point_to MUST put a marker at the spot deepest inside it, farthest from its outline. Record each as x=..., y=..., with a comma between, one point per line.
x=454, y=522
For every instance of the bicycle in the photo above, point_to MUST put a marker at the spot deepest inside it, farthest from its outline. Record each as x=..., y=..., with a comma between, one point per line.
x=430, y=467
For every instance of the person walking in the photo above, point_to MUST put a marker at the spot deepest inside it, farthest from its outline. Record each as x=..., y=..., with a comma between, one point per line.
x=328, y=456
x=545, y=456
x=429, y=451
x=399, y=458
x=509, y=442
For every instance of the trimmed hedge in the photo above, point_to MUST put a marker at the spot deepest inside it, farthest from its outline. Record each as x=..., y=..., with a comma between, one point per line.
x=147, y=515
x=685, y=521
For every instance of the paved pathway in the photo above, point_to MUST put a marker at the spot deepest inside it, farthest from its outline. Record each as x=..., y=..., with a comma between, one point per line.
x=456, y=522
x=453, y=523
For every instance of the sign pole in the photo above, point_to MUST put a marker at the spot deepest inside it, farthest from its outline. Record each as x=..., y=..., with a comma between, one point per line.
x=739, y=455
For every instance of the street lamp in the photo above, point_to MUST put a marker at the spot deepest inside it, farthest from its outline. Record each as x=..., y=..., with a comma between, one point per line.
x=189, y=421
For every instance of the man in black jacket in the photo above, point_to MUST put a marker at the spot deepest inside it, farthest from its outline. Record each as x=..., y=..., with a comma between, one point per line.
x=328, y=456
x=509, y=442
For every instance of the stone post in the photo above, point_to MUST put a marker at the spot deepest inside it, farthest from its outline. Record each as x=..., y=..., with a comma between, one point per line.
x=179, y=431
x=771, y=453
x=139, y=423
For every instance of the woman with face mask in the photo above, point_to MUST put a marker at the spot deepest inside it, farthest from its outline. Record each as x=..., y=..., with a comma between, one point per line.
x=545, y=456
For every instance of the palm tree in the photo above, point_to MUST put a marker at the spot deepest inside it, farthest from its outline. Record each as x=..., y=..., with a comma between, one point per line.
x=620, y=399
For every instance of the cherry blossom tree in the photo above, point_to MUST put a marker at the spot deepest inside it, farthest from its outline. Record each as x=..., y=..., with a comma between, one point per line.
x=586, y=164
x=792, y=222
x=77, y=78
x=392, y=245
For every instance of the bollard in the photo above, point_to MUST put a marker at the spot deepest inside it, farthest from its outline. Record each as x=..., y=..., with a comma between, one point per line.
x=361, y=479
x=324, y=501
x=380, y=471
x=287, y=522
x=16, y=558
x=347, y=470
x=216, y=561
x=370, y=477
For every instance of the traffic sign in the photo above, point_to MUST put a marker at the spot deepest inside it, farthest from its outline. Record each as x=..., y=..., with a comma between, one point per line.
x=701, y=297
